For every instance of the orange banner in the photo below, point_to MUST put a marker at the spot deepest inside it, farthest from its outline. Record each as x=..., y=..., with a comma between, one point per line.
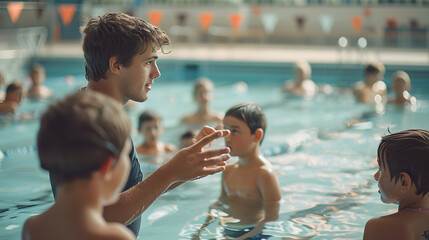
x=235, y=20
x=15, y=9
x=206, y=20
x=67, y=12
x=357, y=23
x=155, y=17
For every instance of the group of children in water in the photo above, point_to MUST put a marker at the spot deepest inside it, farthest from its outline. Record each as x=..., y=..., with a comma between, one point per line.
x=15, y=91
x=372, y=90
x=84, y=142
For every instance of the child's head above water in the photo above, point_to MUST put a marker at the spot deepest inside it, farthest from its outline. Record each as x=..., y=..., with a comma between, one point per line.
x=37, y=74
x=302, y=71
x=14, y=92
x=150, y=125
x=148, y=116
x=374, y=71
x=203, y=90
x=407, y=152
x=400, y=82
x=187, y=138
x=77, y=134
x=251, y=114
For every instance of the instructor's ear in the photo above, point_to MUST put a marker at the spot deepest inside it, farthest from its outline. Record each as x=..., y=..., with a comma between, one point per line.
x=114, y=66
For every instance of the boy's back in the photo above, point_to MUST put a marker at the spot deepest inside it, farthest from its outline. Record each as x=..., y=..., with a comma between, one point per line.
x=65, y=224
x=84, y=143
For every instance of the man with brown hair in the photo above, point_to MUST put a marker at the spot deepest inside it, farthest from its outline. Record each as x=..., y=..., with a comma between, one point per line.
x=120, y=61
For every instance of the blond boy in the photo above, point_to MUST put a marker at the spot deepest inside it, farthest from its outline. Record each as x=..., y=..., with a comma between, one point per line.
x=203, y=96
x=400, y=85
x=302, y=85
x=38, y=76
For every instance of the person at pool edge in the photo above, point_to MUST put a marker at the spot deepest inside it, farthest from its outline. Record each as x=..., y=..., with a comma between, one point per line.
x=84, y=140
x=120, y=61
x=403, y=179
x=250, y=192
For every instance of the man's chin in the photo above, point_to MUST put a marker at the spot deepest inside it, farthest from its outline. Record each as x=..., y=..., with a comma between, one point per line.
x=140, y=99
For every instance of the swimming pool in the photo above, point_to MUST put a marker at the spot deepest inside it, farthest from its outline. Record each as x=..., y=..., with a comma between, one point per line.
x=325, y=167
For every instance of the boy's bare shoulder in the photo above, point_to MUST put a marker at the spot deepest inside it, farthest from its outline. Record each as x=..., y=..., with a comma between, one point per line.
x=386, y=227
x=114, y=231
x=266, y=173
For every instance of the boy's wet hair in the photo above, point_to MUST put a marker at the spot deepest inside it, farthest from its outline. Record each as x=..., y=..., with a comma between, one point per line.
x=251, y=114
x=188, y=134
x=15, y=86
x=120, y=35
x=148, y=116
x=374, y=68
x=407, y=151
x=79, y=132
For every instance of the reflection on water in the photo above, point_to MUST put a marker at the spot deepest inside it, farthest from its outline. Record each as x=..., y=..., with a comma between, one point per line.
x=323, y=152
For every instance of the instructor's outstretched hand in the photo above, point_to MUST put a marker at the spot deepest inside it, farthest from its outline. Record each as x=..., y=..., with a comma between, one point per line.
x=196, y=162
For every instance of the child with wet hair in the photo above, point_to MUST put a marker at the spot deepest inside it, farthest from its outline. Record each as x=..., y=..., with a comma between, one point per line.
x=14, y=95
x=250, y=192
x=373, y=89
x=403, y=179
x=187, y=138
x=400, y=85
x=150, y=126
x=84, y=143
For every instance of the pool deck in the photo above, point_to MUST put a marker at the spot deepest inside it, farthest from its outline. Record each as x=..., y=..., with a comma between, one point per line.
x=267, y=53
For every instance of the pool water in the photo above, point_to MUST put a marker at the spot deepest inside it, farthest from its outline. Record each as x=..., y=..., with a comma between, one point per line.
x=325, y=166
